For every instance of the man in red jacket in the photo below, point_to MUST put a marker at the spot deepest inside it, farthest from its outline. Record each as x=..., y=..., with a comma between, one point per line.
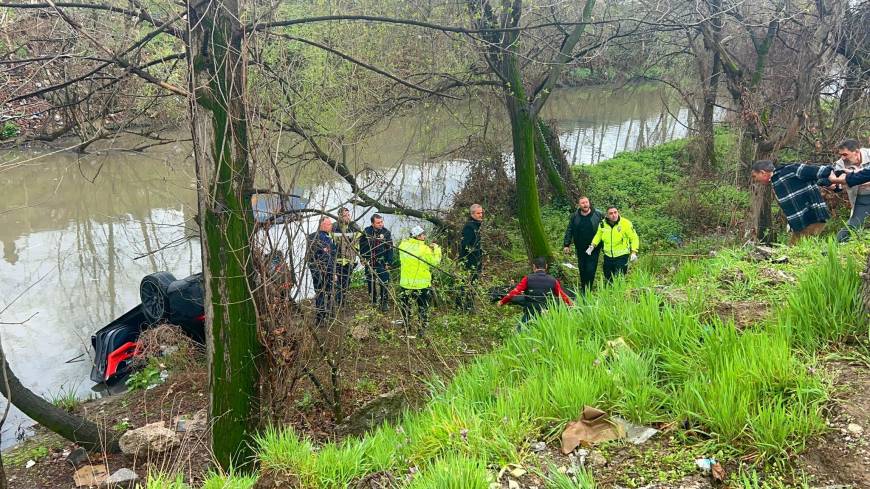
x=535, y=289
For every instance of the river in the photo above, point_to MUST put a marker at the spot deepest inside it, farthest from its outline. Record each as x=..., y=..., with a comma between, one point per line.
x=78, y=232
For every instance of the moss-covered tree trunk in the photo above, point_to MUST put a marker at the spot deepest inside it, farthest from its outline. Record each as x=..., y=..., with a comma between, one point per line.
x=547, y=150
x=523, y=131
x=225, y=176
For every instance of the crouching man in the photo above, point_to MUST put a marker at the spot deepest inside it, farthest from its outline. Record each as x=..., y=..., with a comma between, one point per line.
x=535, y=289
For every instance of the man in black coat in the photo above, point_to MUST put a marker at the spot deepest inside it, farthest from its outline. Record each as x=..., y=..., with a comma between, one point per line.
x=471, y=254
x=376, y=250
x=581, y=229
x=321, y=262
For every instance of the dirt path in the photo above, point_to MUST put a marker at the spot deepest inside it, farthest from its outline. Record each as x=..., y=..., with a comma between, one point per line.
x=842, y=456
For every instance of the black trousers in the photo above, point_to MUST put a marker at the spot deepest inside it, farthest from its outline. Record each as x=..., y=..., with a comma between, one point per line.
x=377, y=280
x=322, y=281
x=422, y=298
x=587, y=265
x=615, y=266
x=342, y=279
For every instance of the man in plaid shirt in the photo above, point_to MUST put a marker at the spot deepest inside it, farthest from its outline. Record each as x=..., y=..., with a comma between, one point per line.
x=796, y=187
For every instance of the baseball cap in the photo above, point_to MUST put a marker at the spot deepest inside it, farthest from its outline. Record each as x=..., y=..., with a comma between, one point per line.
x=417, y=231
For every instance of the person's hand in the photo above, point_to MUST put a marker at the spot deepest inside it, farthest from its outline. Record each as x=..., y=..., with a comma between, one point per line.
x=834, y=178
x=589, y=250
x=566, y=250
x=633, y=257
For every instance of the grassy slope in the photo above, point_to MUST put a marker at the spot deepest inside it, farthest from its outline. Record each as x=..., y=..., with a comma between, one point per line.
x=742, y=391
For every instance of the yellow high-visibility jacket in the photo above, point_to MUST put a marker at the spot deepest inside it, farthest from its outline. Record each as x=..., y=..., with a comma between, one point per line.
x=416, y=257
x=619, y=239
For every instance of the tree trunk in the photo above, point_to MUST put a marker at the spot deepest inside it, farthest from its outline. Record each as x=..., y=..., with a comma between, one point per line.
x=225, y=176
x=74, y=428
x=523, y=132
x=556, y=167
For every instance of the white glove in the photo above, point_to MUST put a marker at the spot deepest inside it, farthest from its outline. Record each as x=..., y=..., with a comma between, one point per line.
x=633, y=257
x=589, y=250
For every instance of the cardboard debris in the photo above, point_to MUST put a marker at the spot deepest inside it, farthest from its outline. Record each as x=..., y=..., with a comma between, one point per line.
x=90, y=475
x=593, y=426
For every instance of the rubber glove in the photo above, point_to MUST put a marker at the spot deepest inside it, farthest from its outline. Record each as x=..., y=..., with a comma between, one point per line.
x=589, y=249
x=633, y=257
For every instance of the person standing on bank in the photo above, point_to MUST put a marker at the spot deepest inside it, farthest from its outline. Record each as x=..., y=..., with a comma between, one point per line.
x=346, y=235
x=321, y=263
x=470, y=255
x=415, y=278
x=797, y=191
x=376, y=250
x=854, y=158
x=619, y=241
x=581, y=229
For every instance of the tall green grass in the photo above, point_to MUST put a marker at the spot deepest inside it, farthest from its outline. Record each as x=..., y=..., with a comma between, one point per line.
x=751, y=392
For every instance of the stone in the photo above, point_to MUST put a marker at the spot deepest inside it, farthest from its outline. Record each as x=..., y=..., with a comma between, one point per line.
x=512, y=484
x=90, y=475
x=121, y=478
x=151, y=438
x=539, y=446
x=385, y=407
x=359, y=332
x=855, y=429
x=595, y=459
x=78, y=457
x=29, y=464
x=199, y=422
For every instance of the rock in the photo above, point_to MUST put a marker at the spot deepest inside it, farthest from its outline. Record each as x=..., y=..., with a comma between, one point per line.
x=359, y=331
x=855, y=429
x=595, y=459
x=199, y=422
x=539, y=446
x=385, y=407
x=78, y=457
x=29, y=464
x=121, y=478
x=518, y=472
x=512, y=484
x=154, y=438
x=90, y=475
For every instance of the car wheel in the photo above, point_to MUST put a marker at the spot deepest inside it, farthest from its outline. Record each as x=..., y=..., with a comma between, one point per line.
x=153, y=293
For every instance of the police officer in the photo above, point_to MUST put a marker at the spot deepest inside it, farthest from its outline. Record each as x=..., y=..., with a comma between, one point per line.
x=376, y=250
x=321, y=263
x=415, y=279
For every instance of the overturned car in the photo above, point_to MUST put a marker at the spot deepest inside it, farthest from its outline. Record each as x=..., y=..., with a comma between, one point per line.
x=164, y=300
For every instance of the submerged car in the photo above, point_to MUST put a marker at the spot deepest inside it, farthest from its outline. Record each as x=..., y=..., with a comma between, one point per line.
x=176, y=302
x=164, y=300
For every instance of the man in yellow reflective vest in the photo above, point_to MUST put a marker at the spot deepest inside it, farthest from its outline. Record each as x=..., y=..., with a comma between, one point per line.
x=415, y=279
x=620, y=243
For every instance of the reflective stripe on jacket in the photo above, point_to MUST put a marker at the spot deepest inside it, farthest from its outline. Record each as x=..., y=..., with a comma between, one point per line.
x=416, y=257
x=619, y=239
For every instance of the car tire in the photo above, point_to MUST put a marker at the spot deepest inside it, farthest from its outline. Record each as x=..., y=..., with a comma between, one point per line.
x=154, y=296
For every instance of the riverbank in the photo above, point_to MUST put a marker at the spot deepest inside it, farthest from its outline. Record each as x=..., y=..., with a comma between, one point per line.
x=696, y=313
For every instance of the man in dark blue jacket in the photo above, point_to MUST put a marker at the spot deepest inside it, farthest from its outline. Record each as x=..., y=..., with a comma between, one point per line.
x=581, y=229
x=470, y=255
x=376, y=250
x=321, y=263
